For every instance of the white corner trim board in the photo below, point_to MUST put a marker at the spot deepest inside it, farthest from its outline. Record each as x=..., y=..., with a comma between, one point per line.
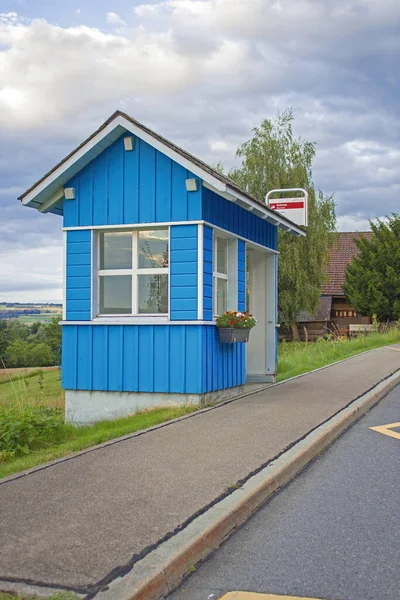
x=200, y=267
x=64, y=296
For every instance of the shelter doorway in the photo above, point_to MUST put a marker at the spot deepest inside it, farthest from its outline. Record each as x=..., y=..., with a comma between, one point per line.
x=262, y=303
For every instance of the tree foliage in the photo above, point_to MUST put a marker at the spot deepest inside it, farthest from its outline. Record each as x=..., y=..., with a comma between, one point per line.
x=274, y=158
x=35, y=345
x=372, y=282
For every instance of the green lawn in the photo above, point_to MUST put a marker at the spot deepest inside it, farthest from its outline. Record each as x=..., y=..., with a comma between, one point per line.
x=20, y=398
x=23, y=390
x=298, y=358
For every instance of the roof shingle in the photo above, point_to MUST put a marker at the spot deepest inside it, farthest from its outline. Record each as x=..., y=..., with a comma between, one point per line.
x=343, y=251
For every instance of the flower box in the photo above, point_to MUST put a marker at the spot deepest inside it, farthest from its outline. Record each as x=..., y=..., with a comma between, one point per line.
x=234, y=326
x=230, y=335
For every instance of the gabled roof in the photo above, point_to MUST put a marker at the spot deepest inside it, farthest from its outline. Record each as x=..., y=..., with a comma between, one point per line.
x=343, y=251
x=47, y=193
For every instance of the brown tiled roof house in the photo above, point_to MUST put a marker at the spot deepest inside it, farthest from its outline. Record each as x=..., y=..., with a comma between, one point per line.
x=343, y=251
x=334, y=309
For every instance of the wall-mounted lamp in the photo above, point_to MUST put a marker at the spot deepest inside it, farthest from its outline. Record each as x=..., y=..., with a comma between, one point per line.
x=69, y=193
x=129, y=143
x=192, y=185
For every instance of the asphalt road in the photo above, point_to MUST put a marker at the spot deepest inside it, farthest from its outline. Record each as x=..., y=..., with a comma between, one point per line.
x=82, y=521
x=333, y=533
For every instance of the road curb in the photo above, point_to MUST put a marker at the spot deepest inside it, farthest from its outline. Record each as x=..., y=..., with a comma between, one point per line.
x=163, y=569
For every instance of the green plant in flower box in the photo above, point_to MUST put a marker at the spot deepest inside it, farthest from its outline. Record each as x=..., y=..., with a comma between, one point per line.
x=236, y=320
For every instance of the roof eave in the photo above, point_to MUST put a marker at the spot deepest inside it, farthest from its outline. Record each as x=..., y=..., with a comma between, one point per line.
x=267, y=213
x=51, y=185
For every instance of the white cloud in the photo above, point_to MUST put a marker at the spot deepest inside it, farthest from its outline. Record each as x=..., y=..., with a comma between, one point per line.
x=114, y=19
x=204, y=73
x=35, y=275
x=355, y=223
x=49, y=71
x=10, y=17
x=352, y=223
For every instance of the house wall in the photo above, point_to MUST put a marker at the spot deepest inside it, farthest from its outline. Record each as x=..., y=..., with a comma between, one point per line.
x=78, y=275
x=207, y=273
x=339, y=307
x=180, y=359
x=228, y=215
x=184, y=272
x=140, y=186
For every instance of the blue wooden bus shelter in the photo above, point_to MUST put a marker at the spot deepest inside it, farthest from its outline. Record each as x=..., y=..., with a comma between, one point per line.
x=156, y=244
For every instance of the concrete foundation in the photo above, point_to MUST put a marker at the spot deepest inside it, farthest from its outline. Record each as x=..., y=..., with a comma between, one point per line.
x=83, y=407
x=261, y=379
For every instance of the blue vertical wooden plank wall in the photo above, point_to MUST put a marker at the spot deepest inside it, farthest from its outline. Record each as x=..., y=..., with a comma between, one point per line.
x=207, y=273
x=223, y=365
x=183, y=359
x=78, y=284
x=183, y=270
x=227, y=215
x=127, y=187
x=133, y=358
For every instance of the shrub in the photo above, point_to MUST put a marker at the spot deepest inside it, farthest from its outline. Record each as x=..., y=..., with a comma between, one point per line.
x=41, y=355
x=22, y=432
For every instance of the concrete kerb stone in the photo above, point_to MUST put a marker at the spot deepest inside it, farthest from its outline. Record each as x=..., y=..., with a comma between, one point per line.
x=163, y=570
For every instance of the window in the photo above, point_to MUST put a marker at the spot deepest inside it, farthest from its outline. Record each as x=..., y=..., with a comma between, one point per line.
x=220, y=275
x=133, y=272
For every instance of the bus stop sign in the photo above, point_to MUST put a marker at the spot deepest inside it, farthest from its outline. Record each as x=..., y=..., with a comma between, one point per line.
x=295, y=209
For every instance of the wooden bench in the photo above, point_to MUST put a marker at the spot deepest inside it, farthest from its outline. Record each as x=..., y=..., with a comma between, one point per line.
x=355, y=330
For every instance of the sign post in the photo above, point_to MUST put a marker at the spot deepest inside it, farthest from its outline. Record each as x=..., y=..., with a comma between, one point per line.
x=295, y=209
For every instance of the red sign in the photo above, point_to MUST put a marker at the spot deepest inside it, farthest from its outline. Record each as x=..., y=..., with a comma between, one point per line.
x=282, y=205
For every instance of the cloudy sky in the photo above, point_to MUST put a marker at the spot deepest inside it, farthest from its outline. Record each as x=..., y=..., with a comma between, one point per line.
x=202, y=73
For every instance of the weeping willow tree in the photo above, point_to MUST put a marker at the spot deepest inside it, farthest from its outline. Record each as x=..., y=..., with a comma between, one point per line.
x=272, y=159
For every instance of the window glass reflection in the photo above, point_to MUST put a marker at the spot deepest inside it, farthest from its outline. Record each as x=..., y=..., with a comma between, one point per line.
x=153, y=249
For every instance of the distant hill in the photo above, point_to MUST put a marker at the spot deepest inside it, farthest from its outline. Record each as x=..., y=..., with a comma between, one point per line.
x=29, y=312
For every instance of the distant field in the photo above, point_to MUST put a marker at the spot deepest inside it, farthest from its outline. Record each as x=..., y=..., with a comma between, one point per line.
x=22, y=312
x=28, y=319
x=53, y=308
x=9, y=374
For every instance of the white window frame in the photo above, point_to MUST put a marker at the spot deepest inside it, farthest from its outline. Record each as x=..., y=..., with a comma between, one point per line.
x=217, y=275
x=134, y=272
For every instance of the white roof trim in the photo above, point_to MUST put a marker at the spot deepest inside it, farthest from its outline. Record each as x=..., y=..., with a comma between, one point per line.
x=208, y=179
x=70, y=162
x=48, y=204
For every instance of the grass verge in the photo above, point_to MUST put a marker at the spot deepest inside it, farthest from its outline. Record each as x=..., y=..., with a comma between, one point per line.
x=298, y=358
x=23, y=399
x=23, y=389
x=78, y=438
